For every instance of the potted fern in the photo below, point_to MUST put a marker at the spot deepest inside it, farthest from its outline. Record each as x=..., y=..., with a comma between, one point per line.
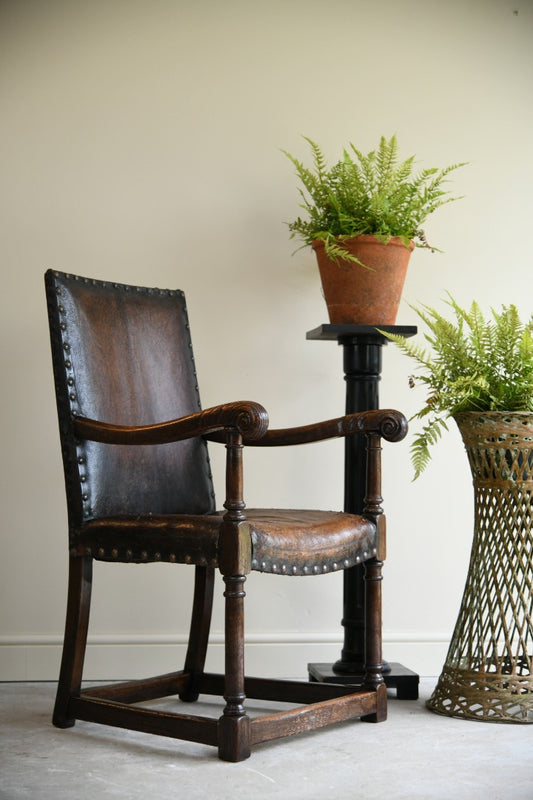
x=363, y=220
x=480, y=373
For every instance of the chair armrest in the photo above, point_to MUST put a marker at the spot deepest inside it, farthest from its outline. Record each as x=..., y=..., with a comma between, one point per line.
x=247, y=418
x=389, y=424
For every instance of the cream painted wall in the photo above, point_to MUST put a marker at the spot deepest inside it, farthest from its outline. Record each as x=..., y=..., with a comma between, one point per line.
x=140, y=142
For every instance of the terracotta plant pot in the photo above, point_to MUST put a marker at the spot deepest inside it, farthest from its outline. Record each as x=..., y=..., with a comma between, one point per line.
x=358, y=296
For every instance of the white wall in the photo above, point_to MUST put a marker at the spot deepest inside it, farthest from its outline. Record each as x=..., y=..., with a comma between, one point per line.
x=140, y=142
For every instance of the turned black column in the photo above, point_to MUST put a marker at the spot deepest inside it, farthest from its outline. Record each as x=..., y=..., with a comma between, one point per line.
x=362, y=373
x=362, y=361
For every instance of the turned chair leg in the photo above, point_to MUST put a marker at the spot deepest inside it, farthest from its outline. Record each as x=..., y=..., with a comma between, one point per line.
x=199, y=631
x=75, y=641
x=234, y=724
x=373, y=678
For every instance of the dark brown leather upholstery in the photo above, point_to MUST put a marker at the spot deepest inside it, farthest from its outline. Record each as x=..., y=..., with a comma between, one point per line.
x=286, y=542
x=139, y=489
x=309, y=542
x=126, y=358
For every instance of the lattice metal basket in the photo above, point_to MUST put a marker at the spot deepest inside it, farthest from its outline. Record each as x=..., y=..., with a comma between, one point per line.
x=488, y=673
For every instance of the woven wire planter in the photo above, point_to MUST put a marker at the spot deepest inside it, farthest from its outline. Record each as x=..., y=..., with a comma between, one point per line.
x=488, y=673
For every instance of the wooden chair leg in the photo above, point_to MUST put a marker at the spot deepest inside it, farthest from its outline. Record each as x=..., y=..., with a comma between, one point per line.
x=373, y=678
x=74, y=643
x=199, y=631
x=234, y=724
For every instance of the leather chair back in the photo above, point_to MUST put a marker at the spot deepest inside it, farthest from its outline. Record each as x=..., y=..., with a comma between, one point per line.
x=123, y=355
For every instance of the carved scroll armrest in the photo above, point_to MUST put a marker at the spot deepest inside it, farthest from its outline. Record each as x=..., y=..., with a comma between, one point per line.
x=246, y=418
x=388, y=424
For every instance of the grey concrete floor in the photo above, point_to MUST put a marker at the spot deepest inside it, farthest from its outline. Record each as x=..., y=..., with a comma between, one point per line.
x=414, y=754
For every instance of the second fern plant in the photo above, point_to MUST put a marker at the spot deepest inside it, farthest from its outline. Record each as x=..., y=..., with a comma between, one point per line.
x=476, y=363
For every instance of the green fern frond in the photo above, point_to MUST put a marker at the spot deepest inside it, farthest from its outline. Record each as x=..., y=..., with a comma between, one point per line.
x=336, y=252
x=371, y=193
x=319, y=159
x=410, y=348
x=420, y=448
x=386, y=160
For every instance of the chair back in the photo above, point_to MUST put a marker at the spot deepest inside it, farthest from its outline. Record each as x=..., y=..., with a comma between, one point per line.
x=123, y=355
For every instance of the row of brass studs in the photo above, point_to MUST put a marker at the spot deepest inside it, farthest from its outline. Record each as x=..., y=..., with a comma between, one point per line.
x=144, y=555
x=73, y=398
x=316, y=569
x=119, y=286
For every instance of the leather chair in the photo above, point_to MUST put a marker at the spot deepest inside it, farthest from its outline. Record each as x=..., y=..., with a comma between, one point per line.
x=139, y=489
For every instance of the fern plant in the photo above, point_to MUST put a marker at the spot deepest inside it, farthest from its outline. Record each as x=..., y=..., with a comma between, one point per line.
x=375, y=194
x=476, y=363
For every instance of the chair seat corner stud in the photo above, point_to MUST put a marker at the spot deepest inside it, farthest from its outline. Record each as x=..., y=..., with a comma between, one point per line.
x=139, y=489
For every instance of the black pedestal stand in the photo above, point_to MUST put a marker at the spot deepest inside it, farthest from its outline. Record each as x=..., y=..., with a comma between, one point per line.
x=362, y=346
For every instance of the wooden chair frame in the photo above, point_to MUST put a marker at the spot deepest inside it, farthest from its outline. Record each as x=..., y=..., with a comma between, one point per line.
x=237, y=425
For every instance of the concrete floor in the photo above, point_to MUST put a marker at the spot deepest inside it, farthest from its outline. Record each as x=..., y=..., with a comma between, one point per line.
x=414, y=755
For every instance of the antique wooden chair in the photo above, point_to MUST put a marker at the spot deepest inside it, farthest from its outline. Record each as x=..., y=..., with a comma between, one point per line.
x=139, y=489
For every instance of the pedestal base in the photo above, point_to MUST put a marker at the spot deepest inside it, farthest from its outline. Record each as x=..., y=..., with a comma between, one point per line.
x=488, y=673
x=484, y=696
x=400, y=678
x=362, y=358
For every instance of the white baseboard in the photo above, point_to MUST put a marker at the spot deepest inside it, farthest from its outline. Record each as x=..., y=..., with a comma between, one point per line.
x=118, y=657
